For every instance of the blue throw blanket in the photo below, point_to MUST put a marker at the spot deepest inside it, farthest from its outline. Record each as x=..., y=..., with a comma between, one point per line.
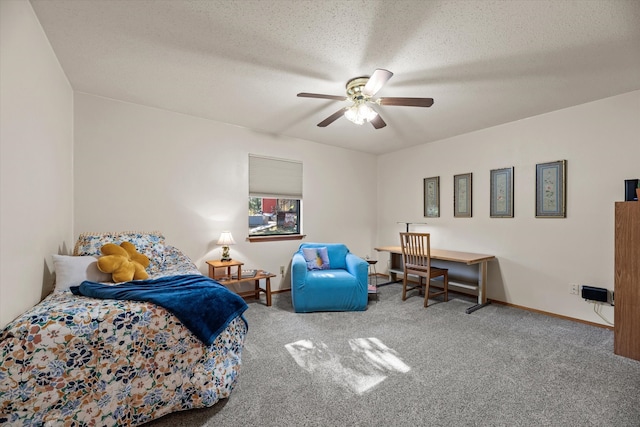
x=200, y=303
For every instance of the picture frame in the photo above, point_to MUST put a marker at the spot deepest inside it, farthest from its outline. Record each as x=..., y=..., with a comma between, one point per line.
x=551, y=189
x=501, y=193
x=431, y=188
x=462, y=192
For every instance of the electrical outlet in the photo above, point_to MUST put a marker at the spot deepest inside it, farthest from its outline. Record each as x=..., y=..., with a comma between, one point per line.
x=574, y=289
x=282, y=270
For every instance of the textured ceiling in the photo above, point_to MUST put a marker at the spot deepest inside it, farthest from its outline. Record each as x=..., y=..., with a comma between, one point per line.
x=243, y=62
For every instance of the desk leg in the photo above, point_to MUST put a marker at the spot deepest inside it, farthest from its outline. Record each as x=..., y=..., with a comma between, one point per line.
x=482, y=288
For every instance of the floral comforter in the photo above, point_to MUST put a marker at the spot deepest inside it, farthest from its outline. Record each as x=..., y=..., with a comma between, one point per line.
x=76, y=361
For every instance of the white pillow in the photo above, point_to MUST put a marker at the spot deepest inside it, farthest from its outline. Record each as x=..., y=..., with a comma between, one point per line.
x=73, y=270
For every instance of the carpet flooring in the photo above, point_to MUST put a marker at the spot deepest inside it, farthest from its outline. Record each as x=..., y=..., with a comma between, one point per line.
x=399, y=364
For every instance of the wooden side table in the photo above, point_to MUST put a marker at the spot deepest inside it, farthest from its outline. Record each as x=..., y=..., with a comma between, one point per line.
x=255, y=293
x=227, y=278
x=372, y=288
x=226, y=267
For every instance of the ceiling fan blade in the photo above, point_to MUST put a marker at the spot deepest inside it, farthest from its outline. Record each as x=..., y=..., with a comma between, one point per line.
x=376, y=81
x=319, y=95
x=408, y=102
x=332, y=118
x=378, y=123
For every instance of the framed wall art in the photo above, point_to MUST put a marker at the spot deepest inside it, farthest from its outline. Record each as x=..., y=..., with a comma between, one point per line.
x=501, y=193
x=462, y=195
x=432, y=197
x=551, y=189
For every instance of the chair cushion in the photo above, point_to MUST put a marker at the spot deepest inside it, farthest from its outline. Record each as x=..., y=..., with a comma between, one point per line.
x=316, y=258
x=330, y=280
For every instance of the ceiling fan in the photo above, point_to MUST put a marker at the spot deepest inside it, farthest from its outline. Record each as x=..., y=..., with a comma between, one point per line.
x=360, y=91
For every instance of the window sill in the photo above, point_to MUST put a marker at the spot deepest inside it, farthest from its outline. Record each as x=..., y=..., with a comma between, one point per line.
x=276, y=238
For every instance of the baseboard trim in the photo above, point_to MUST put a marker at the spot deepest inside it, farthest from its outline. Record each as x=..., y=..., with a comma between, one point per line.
x=559, y=316
x=508, y=304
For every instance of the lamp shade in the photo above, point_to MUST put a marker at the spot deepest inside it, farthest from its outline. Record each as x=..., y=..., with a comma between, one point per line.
x=226, y=239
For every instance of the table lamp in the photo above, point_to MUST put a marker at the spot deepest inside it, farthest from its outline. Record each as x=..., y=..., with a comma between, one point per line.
x=225, y=240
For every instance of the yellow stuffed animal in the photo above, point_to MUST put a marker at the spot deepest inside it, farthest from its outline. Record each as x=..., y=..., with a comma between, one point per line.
x=124, y=262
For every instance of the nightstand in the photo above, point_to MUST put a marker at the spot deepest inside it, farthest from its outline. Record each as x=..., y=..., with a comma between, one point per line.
x=227, y=268
x=226, y=278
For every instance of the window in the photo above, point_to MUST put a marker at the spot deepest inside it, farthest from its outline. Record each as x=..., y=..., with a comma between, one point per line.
x=275, y=196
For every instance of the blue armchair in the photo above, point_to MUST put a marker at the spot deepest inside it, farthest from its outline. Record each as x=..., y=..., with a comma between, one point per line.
x=341, y=287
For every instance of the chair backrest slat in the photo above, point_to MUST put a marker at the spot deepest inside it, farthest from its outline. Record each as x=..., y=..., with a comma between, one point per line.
x=416, y=250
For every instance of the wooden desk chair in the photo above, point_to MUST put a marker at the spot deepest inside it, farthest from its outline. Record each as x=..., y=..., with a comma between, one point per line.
x=416, y=258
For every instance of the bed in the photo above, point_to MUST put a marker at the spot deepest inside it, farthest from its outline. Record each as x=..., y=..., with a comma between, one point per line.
x=73, y=360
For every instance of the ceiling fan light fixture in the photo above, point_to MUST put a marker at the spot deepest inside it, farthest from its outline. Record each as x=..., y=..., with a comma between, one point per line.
x=361, y=91
x=360, y=113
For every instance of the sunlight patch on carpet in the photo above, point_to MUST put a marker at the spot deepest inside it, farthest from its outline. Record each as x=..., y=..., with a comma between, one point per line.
x=379, y=354
x=369, y=363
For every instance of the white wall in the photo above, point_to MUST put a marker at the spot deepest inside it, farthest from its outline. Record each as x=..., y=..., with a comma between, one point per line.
x=36, y=143
x=537, y=258
x=140, y=168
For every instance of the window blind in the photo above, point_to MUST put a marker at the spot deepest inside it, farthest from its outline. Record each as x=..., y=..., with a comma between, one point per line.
x=271, y=177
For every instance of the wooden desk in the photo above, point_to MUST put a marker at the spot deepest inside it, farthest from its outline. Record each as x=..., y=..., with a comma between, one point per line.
x=477, y=284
